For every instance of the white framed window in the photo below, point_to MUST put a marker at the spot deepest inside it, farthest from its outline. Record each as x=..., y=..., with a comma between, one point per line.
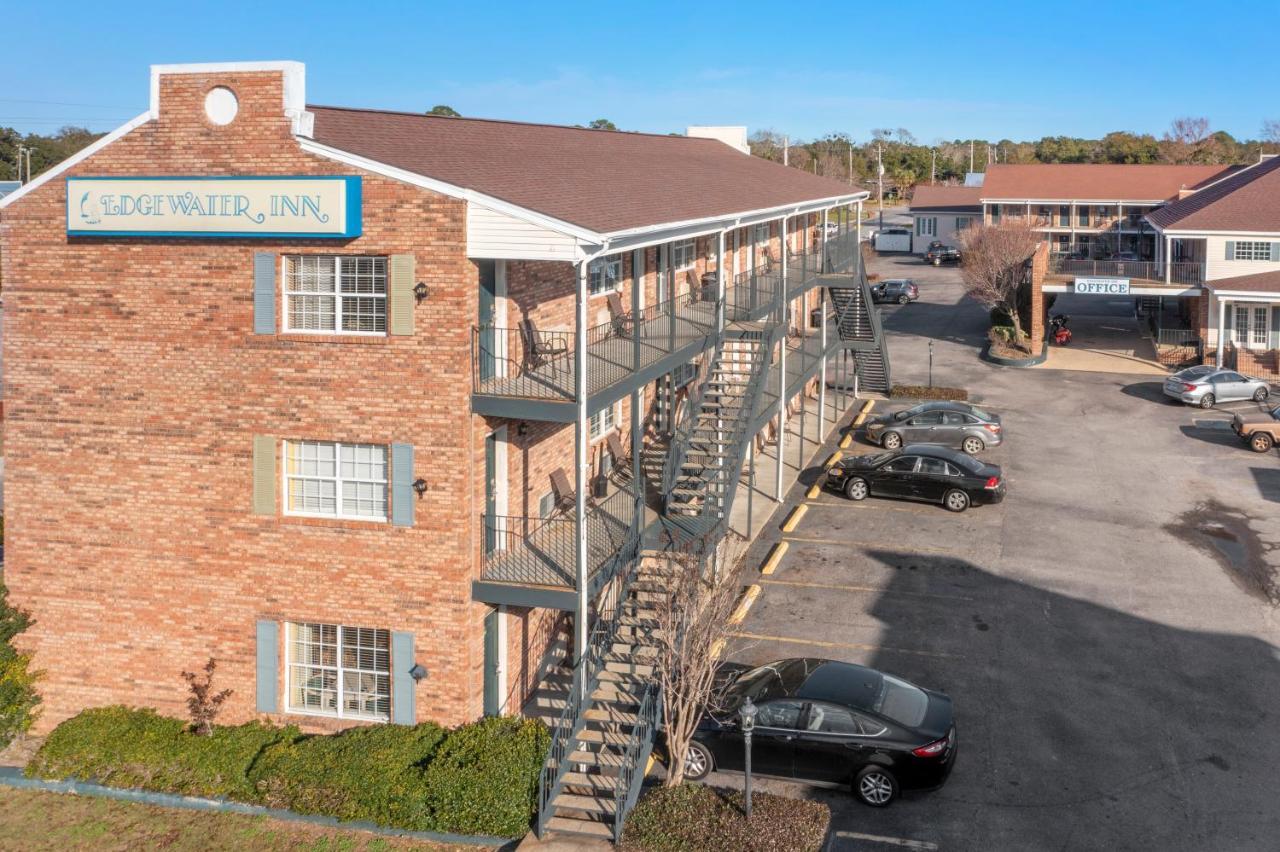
x=1252, y=250
x=683, y=254
x=335, y=294
x=604, y=421
x=1251, y=326
x=326, y=479
x=963, y=222
x=339, y=671
x=926, y=226
x=604, y=275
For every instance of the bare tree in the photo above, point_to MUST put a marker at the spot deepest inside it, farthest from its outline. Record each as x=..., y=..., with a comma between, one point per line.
x=1271, y=130
x=204, y=704
x=1188, y=130
x=993, y=267
x=691, y=626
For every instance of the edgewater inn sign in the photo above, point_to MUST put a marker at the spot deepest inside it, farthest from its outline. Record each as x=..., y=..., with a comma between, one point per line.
x=240, y=206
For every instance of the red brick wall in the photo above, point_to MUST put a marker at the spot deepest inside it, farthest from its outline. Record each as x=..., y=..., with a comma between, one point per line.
x=134, y=386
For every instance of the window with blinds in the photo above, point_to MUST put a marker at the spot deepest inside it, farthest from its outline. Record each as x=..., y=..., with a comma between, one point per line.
x=331, y=480
x=339, y=671
x=327, y=294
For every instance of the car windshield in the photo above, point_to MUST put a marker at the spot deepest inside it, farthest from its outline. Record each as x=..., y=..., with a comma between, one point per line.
x=874, y=460
x=766, y=682
x=901, y=702
x=1193, y=373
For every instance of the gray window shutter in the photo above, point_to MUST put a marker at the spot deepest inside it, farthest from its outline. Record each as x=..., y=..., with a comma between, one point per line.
x=403, y=711
x=400, y=297
x=402, y=507
x=1229, y=319
x=1275, y=252
x=264, y=293
x=1231, y=250
x=1274, y=342
x=264, y=475
x=268, y=667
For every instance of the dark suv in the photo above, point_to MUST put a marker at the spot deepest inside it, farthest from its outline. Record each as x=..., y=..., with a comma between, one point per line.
x=900, y=290
x=940, y=254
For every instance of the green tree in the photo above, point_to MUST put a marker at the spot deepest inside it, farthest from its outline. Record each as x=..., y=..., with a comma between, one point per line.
x=444, y=109
x=18, y=698
x=602, y=124
x=1122, y=147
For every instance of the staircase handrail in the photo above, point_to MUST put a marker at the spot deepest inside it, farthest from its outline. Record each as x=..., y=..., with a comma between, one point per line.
x=631, y=773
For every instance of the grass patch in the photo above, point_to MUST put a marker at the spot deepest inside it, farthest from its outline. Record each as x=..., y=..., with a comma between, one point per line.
x=45, y=822
x=926, y=392
x=702, y=819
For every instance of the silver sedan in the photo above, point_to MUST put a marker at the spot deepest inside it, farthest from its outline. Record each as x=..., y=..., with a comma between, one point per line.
x=952, y=424
x=1207, y=387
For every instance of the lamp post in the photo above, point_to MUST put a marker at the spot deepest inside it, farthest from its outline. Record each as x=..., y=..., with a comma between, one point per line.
x=747, y=715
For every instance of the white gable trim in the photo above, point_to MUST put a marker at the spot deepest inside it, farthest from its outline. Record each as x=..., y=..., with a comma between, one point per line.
x=74, y=160
x=452, y=190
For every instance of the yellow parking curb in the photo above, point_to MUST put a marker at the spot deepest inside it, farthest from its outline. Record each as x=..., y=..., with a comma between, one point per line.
x=775, y=556
x=744, y=606
x=868, y=405
x=847, y=439
x=835, y=457
x=813, y=491
x=648, y=767
x=794, y=518
x=717, y=648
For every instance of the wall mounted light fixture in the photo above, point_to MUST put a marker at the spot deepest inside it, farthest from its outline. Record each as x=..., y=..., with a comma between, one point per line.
x=420, y=291
x=418, y=672
x=420, y=485
x=522, y=428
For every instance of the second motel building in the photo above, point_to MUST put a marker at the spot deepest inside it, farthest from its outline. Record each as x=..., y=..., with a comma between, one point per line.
x=287, y=384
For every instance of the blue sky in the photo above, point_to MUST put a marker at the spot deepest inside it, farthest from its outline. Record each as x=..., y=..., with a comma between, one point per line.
x=948, y=70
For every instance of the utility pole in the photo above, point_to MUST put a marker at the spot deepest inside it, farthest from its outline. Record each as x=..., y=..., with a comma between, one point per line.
x=933, y=165
x=850, y=162
x=22, y=149
x=880, y=181
x=786, y=150
x=971, y=156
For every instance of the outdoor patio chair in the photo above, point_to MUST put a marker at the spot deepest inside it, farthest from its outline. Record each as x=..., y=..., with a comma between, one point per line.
x=540, y=347
x=621, y=457
x=622, y=321
x=565, y=496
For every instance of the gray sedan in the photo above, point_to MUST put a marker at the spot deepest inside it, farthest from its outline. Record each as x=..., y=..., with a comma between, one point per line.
x=952, y=424
x=1207, y=387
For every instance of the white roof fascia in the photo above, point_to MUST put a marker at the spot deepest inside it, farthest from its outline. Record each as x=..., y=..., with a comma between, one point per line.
x=452, y=190
x=1262, y=235
x=75, y=159
x=998, y=200
x=1245, y=295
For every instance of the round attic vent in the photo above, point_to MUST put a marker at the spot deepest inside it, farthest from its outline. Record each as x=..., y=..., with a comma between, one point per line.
x=221, y=105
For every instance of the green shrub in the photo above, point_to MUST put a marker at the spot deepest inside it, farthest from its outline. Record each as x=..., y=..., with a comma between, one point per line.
x=927, y=392
x=18, y=697
x=484, y=777
x=693, y=818
x=127, y=747
x=373, y=773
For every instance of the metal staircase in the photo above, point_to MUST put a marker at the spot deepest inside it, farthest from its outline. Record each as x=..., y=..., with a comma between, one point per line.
x=700, y=477
x=858, y=324
x=601, y=742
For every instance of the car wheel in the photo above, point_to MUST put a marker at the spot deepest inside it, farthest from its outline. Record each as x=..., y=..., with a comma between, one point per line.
x=698, y=762
x=891, y=440
x=973, y=445
x=1260, y=442
x=902, y=300
x=955, y=500
x=856, y=489
x=1207, y=401
x=1260, y=395
x=875, y=786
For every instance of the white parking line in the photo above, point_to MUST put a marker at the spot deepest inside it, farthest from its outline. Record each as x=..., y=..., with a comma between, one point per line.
x=904, y=842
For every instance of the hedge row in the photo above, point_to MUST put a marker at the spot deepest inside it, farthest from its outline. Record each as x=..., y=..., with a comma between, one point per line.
x=480, y=778
x=694, y=818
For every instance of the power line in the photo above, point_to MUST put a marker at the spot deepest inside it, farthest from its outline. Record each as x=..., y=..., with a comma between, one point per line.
x=60, y=103
x=56, y=118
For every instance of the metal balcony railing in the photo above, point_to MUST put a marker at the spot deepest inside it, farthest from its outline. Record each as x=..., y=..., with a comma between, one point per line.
x=542, y=551
x=1147, y=270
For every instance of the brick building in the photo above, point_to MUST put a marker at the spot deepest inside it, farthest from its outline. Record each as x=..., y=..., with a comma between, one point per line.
x=341, y=398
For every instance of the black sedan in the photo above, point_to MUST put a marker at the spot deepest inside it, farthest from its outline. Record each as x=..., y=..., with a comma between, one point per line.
x=942, y=254
x=831, y=724
x=919, y=472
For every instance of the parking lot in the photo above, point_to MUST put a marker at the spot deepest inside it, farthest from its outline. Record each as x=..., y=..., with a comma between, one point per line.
x=1109, y=632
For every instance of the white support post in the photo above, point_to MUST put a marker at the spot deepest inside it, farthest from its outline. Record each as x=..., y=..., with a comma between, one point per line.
x=782, y=369
x=1222, y=329
x=1168, y=264
x=580, y=467
x=721, y=284
x=822, y=320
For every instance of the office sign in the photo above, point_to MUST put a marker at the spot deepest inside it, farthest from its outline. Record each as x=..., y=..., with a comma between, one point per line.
x=266, y=206
x=1102, y=286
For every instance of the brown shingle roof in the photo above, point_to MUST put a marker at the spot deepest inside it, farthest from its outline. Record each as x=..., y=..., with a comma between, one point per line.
x=1094, y=181
x=1248, y=200
x=1262, y=282
x=601, y=180
x=967, y=199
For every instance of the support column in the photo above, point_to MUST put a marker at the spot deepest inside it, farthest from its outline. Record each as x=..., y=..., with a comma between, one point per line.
x=822, y=320
x=780, y=305
x=1168, y=260
x=1222, y=329
x=751, y=482
x=580, y=467
x=637, y=395
x=720, y=282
